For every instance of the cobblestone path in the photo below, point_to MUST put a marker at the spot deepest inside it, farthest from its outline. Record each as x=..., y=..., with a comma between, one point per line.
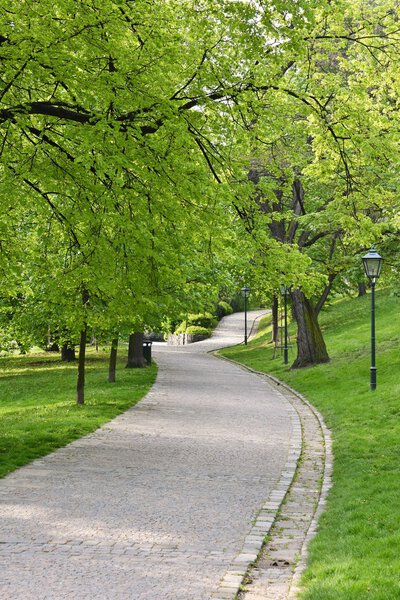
x=160, y=502
x=275, y=575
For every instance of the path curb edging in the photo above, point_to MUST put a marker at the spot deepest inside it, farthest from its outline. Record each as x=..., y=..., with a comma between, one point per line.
x=232, y=581
x=325, y=487
x=231, y=584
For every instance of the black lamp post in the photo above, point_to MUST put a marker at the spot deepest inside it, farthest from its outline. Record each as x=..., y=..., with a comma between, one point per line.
x=372, y=265
x=285, y=292
x=245, y=293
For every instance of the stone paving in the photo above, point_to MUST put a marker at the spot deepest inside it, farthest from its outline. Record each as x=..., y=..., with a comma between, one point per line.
x=275, y=574
x=169, y=500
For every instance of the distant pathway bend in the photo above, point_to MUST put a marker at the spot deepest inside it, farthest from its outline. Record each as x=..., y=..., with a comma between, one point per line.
x=170, y=500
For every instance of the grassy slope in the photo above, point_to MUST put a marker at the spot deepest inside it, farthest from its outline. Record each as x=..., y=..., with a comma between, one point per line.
x=356, y=554
x=38, y=412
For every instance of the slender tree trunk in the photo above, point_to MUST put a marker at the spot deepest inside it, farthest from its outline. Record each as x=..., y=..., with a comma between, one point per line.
x=80, y=387
x=67, y=352
x=311, y=348
x=275, y=317
x=94, y=342
x=325, y=294
x=135, y=351
x=113, y=361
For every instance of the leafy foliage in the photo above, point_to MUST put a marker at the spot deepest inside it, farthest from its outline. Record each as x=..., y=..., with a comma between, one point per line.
x=223, y=309
x=198, y=330
x=128, y=129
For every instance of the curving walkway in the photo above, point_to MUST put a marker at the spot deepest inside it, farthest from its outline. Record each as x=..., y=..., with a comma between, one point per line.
x=170, y=500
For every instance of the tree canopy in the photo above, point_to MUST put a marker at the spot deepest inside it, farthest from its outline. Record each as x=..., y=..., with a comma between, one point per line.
x=143, y=142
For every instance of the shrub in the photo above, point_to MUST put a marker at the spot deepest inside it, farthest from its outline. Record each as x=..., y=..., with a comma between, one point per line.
x=197, y=330
x=223, y=309
x=181, y=328
x=206, y=320
x=203, y=321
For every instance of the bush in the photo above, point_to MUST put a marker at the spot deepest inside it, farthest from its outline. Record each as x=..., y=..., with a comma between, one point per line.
x=197, y=330
x=203, y=321
x=181, y=328
x=206, y=320
x=223, y=309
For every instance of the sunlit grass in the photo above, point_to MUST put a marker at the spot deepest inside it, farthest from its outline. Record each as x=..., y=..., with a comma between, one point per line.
x=38, y=411
x=356, y=554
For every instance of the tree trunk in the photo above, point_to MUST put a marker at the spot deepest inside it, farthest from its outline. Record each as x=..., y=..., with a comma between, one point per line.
x=135, y=351
x=94, y=342
x=275, y=317
x=325, y=294
x=80, y=387
x=67, y=352
x=113, y=361
x=311, y=349
x=362, y=289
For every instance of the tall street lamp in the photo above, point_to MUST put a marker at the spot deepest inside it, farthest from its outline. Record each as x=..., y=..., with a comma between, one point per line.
x=372, y=264
x=245, y=293
x=285, y=292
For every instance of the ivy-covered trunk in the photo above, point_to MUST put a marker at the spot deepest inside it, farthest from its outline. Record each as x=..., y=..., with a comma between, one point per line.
x=113, y=361
x=311, y=348
x=135, y=351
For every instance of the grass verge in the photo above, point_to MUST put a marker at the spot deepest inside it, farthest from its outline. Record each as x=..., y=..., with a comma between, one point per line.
x=355, y=555
x=38, y=412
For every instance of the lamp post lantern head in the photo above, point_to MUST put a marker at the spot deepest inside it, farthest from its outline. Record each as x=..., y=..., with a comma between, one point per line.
x=372, y=264
x=245, y=291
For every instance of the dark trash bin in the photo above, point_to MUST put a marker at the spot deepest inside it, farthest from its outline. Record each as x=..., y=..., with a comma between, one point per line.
x=147, y=352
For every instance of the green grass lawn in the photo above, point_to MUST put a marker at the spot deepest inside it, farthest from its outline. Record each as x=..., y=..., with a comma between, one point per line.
x=356, y=554
x=38, y=412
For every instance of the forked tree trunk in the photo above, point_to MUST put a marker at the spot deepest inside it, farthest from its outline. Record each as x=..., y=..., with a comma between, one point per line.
x=311, y=348
x=113, y=361
x=80, y=386
x=135, y=351
x=275, y=316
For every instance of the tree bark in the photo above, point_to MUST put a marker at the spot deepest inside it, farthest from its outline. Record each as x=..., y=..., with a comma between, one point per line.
x=135, y=351
x=67, y=352
x=311, y=348
x=275, y=317
x=113, y=361
x=362, y=289
x=325, y=294
x=80, y=387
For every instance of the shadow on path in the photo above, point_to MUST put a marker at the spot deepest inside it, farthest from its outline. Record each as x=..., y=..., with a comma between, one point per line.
x=169, y=500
